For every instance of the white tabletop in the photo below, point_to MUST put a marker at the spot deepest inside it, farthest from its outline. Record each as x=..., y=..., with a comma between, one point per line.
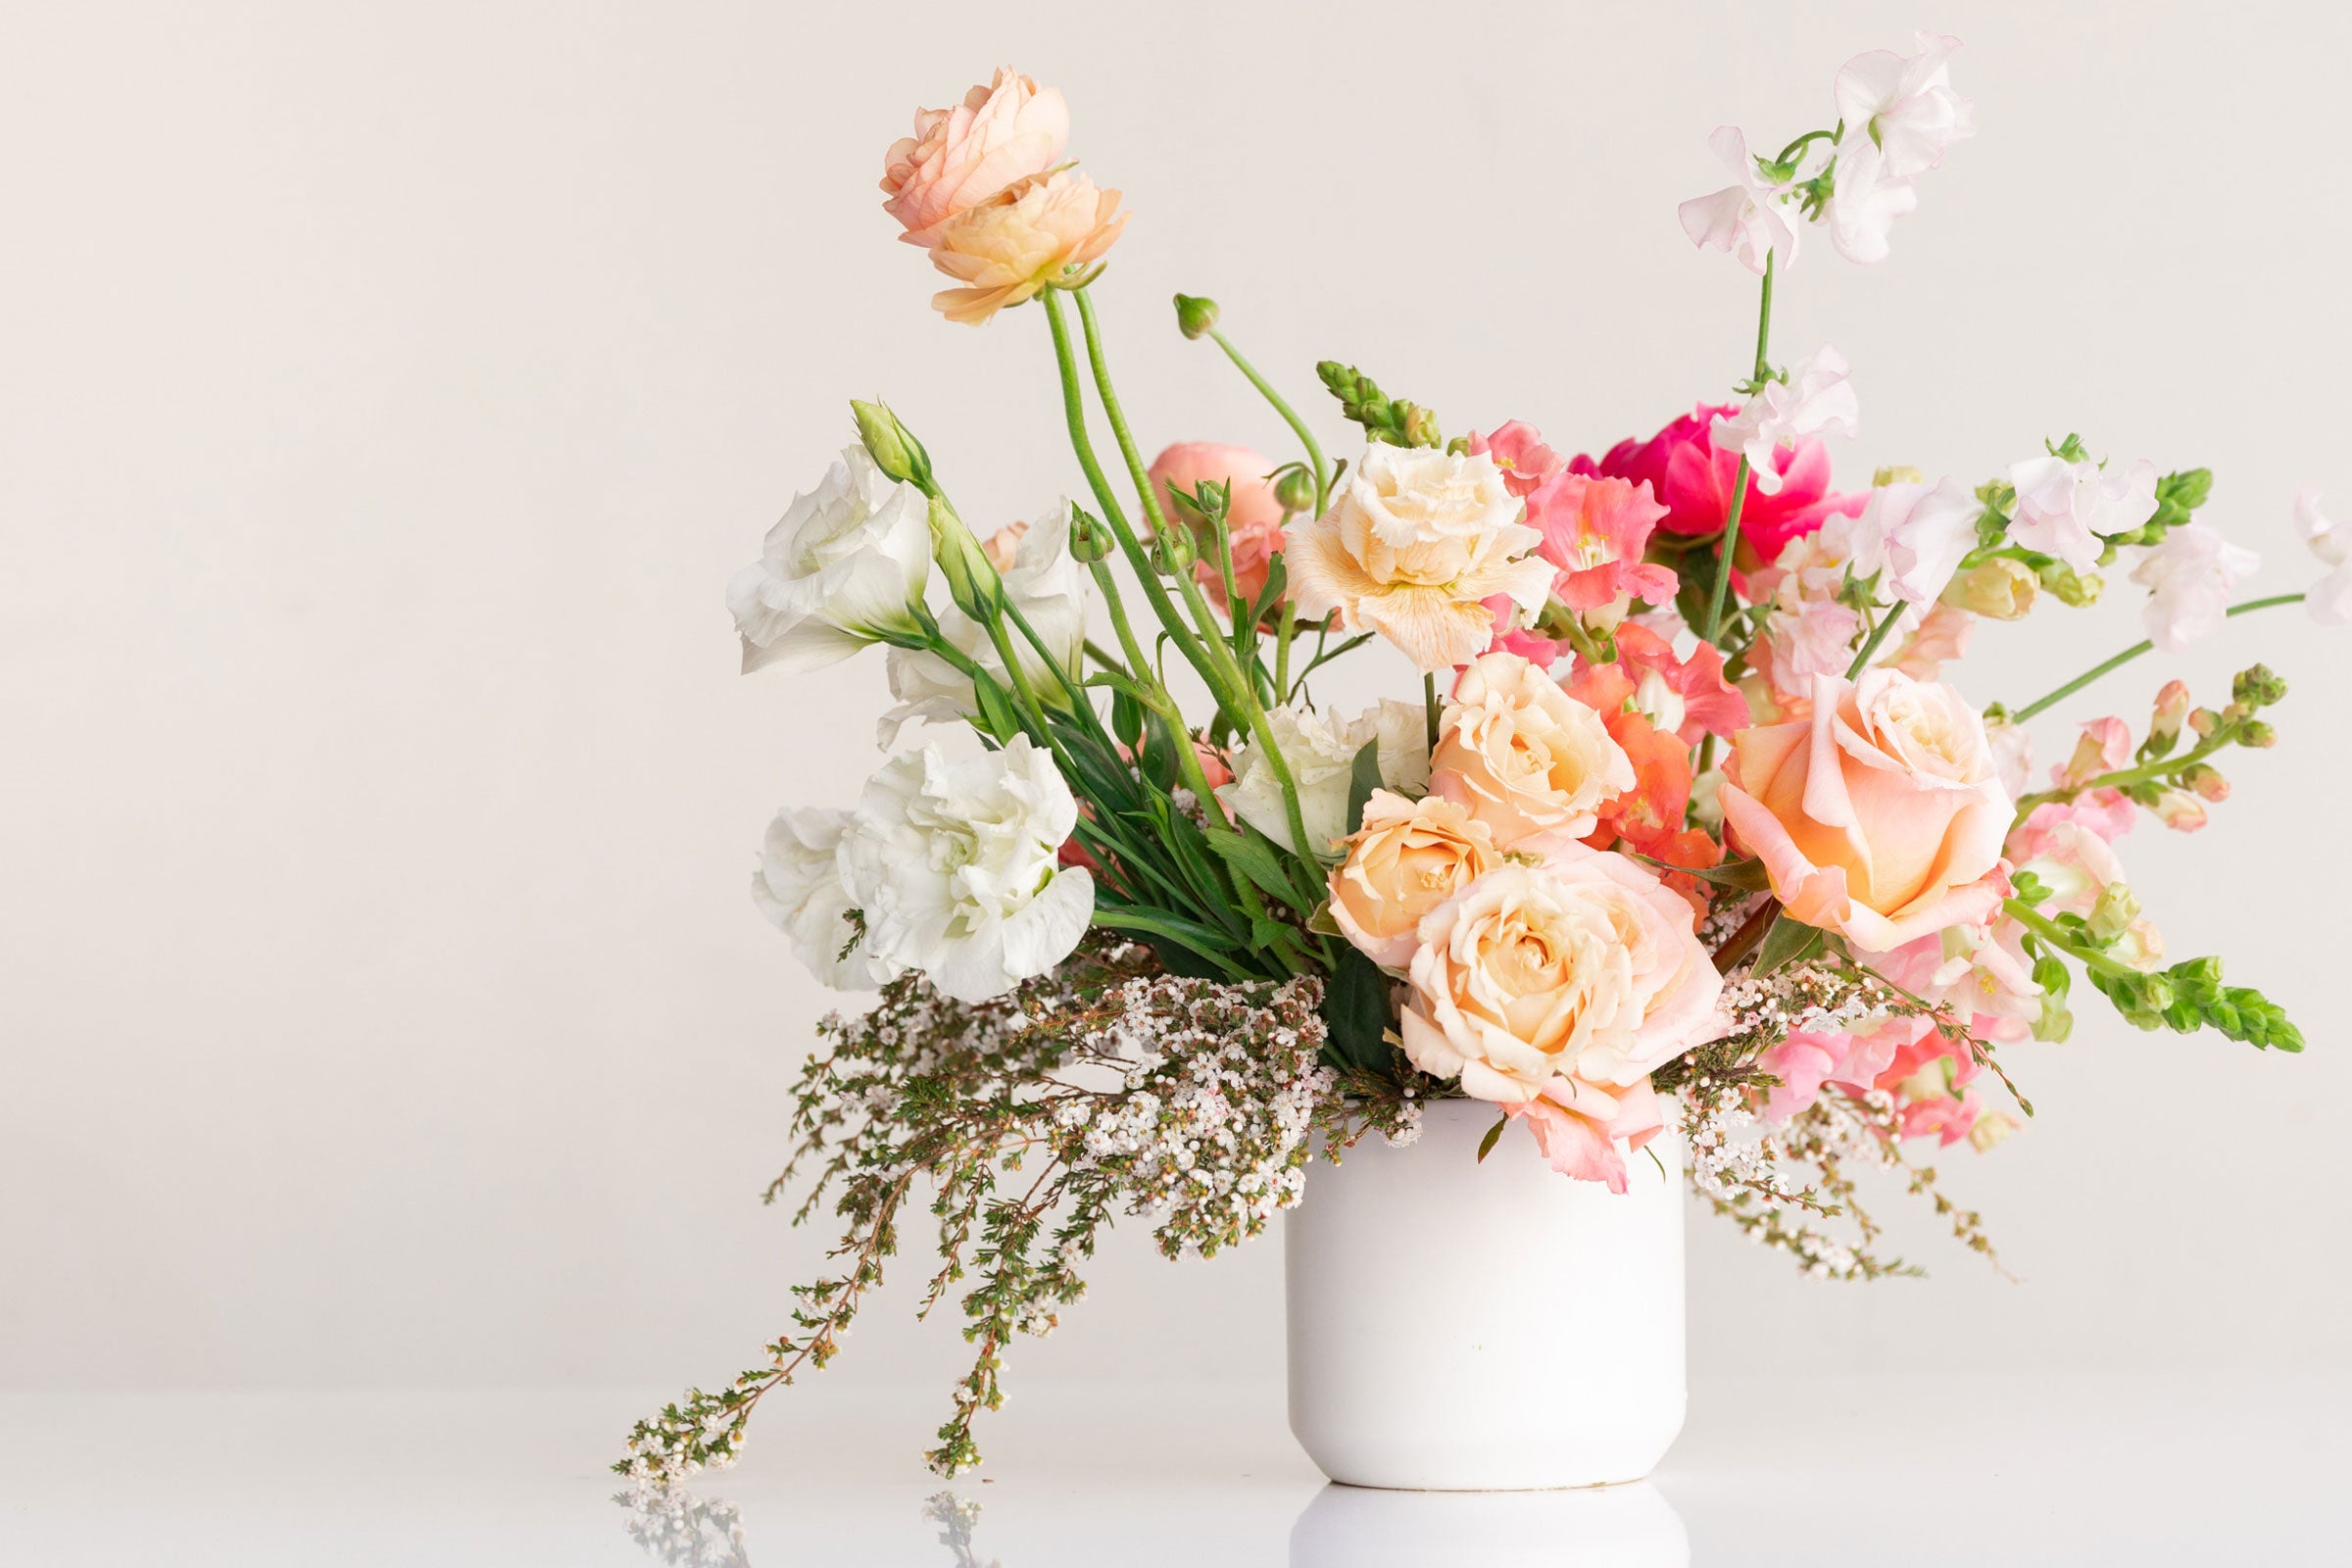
x=1949, y=1467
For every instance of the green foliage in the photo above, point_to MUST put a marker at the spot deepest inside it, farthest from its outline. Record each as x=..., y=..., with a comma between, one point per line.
x=2190, y=996
x=1355, y=1013
x=1384, y=418
x=1363, y=777
x=1790, y=941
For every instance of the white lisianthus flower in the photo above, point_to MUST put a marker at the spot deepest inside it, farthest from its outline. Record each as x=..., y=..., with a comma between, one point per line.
x=843, y=566
x=1816, y=399
x=1904, y=103
x=956, y=868
x=1747, y=221
x=2331, y=602
x=2189, y=576
x=1321, y=752
x=1925, y=533
x=1865, y=200
x=2064, y=509
x=1045, y=582
x=798, y=886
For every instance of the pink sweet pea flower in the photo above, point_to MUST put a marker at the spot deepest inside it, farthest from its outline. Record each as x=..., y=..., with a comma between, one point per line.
x=1578, y=1127
x=1692, y=479
x=1518, y=449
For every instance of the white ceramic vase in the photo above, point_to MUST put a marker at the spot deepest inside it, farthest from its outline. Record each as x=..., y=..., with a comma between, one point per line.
x=1465, y=1327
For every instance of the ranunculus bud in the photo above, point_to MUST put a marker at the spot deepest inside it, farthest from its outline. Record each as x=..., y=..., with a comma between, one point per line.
x=2000, y=589
x=1090, y=541
x=1195, y=316
x=1294, y=488
x=892, y=446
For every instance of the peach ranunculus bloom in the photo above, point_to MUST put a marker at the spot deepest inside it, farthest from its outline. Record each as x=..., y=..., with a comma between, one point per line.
x=1880, y=815
x=1252, y=518
x=959, y=157
x=1407, y=858
x=1522, y=756
x=1417, y=540
x=1036, y=233
x=1584, y=967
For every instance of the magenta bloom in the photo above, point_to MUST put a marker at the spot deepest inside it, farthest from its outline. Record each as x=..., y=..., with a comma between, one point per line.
x=1693, y=477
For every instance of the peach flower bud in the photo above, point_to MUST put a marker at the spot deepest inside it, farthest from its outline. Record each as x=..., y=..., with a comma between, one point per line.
x=1522, y=756
x=1040, y=231
x=2172, y=711
x=2206, y=782
x=2178, y=810
x=959, y=157
x=1991, y=1130
x=1582, y=967
x=1407, y=859
x=1880, y=816
x=2105, y=746
x=1253, y=513
x=2000, y=589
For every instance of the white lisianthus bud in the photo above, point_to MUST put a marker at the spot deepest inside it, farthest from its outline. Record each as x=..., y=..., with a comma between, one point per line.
x=842, y=568
x=956, y=868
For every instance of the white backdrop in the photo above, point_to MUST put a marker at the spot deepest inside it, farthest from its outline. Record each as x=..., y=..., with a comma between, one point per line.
x=388, y=392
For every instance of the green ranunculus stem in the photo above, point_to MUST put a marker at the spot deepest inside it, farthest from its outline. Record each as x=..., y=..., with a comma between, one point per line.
x=1290, y=416
x=2105, y=666
x=1731, y=523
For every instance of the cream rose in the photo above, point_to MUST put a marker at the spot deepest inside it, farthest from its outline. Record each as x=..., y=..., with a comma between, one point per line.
x=1880, y=815
x=1320, y=752
x=1407, y=859
x=1524, y=757
x=1416, y=544
x=1039, y=231
x=1585, y=966
x=959, y=157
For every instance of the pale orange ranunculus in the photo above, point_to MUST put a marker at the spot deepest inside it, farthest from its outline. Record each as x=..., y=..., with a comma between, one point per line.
x=1041, y=230
x=1252, y=514
x=959, y=157
x=1879, y=817
x=1522, y=756
x=1407, y=858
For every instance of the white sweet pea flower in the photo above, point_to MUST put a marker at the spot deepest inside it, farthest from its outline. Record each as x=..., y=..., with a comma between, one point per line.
x=955, y=867
x=2064, y=509
x=1321, y=752
x=2331, y=602
x=1044, y=581
x=841, y=569
x=1925, y=532
x=1747, y=221
x=1816, y=399
x=1905, y=103
x=2189, y=576
x=1865, y=200
x=798, y=886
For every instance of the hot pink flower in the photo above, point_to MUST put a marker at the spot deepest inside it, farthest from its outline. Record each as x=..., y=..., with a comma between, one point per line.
x=1694, y=478
x=1578, y=1127
x=1252, y=520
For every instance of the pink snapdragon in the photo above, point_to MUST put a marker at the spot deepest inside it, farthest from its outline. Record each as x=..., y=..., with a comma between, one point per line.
x=1687, y=696
x=1578, y=1127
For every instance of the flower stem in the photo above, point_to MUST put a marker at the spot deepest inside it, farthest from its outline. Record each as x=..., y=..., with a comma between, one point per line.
x=1290, y=416
x=1731, y=524
x=1429, y=707
x=1878, y=635
x=2129, y=653
x=2056, y=936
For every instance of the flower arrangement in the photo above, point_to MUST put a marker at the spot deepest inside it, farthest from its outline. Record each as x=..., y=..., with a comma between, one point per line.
x=1681, y=832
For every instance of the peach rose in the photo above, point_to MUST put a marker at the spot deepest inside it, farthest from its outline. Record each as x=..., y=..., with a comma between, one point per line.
x=1252, y=520
x=1039, y=230
x=1524, y=757
x=1407, y=859
x=1416, y=542
x=1584, y=967
x=1879, y=817
x=959, y=157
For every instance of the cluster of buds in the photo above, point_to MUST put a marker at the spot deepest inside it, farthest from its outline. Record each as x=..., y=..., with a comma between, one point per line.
x=1384, y=418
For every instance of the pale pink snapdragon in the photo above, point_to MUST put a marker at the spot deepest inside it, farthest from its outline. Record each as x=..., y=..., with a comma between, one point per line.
x=2066, y=508
x=1904, y=103
x=1750, y=220
x=2190, y=577
x=2331, y=601
x=1816, y=399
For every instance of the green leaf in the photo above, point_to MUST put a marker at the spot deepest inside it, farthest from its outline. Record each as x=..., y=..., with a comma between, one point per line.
x=1790, y=941
x=996, y=709
x=1254, y=855
x=1355, y=1012
x=1742, y=877
x=1184, y=946
x=1486, y=1145
x=1362, y=779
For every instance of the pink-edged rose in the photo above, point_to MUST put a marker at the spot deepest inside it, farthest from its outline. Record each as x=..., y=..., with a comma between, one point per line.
x=1583, y=965
x=1252, y=518
x=1692, y=479
x=1880, y=815
x=959, y=157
